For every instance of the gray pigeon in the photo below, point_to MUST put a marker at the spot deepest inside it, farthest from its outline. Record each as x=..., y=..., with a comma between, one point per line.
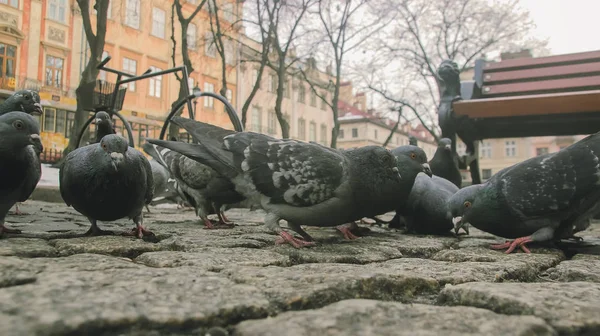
x=104, y=125
x=27, y=101
x=444, y=163
x=201, y=186
x=548, y=197
x=412, y=140
x=20, y=168
x=108, y=181
x=303, y=183
x=411, y=161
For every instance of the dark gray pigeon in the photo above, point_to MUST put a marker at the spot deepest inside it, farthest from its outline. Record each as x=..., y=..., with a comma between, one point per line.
x=27, y=101
x=108, y=181
x=20, y=168
x=412, y=140
x=303, y=183
x=444, y=163
x=201, y=186
x=104, y=125
x=411, y=161
x=548, y=197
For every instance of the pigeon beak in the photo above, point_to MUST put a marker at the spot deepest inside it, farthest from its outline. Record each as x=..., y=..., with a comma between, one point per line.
x=427, y=169
x=37, y=109
x=116, y=159
x=458, y=224
x=36, y=141
x=395, y=170
x=448, y=147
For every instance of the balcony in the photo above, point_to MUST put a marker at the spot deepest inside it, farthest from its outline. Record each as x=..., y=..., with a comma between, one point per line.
x=23, y=83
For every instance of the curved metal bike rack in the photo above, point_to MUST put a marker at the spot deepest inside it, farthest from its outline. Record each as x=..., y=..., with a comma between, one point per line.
x=235, y=120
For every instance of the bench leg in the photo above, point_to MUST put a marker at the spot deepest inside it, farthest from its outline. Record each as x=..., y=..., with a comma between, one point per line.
x=474, y=164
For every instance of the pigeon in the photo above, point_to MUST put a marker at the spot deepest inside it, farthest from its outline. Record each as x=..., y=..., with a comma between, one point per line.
x=426, y=210
x=104, y=125
x=200, y=185
x=303, y=183
x=108, y=181
x=444, y=163
x=20, y=167
x=412, y=140
x=548, y=197
x=27, y=101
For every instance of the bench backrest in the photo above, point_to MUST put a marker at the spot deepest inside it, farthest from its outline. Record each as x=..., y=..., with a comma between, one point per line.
x=527, y=76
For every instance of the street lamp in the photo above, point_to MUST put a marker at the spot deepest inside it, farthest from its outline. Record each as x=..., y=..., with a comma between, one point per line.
x=196, y=91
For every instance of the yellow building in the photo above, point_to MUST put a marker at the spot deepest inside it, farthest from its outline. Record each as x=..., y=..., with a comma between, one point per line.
x=43, y=47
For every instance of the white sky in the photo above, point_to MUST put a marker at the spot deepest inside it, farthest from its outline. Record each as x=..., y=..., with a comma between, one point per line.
x=571, y=25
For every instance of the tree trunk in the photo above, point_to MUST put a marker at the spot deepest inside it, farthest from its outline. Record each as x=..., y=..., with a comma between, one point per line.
x=334, y=109
x=285, y=127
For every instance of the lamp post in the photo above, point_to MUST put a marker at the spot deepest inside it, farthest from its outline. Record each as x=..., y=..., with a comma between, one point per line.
x=196, y=90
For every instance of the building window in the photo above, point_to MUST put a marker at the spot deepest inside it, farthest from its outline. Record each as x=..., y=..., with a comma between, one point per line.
x=313, y=98
x=312, y=132
x=272, y=122
x=158, y=22
x=227, y=9
x=61, y=120
x=301, y=129
x=49, y=119
x=355, y=132
x=192, y=38
x=143, y=134
x=155, y=87
x=12, y=3
x=286, y=89
x=323, y=102
x=191, y=85
x=541, y=151
x=375, y=134
x=57, y=10
x=510, y=148
x=210, y=49
x=341, y=134
x=485, y=151
x=209, y=102
x=229, y=95
x=130, y=67
x=102, y=73
x=256, y=120
x=272, y=83
x=70, y=122
x=301, y=93
x=255, y=77
x=8, y=55
x=132, y=14
x=229, y=52
x=54, y=70
x=486, y=174
x=324, y=134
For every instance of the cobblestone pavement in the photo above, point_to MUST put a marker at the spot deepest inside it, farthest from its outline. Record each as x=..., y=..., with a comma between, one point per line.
x=238, y=282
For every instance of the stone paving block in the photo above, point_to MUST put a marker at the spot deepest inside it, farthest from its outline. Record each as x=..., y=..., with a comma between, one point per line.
x=89, y=294
x=111, y=245
x=572, y=308
x=376, y=318
x=26, y=247
x=581, y=268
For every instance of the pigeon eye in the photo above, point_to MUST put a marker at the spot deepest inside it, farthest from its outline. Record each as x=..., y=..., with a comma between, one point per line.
x=104, y=146
x=19, y=125
x=413, y=155
x=467, y=204
x=27, y=97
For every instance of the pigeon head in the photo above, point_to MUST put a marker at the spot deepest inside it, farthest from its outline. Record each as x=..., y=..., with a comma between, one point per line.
x=412, y=160
x=445, y=144
x=465, y=205
x=102, y=117
x=383, y=159
x=19, y=130
x=27, y=101
x=115, y=147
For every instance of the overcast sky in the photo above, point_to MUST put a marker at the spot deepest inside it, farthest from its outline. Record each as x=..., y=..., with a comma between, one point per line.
x=571, y=25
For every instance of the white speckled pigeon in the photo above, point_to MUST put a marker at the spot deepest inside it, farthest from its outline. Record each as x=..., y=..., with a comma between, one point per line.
x=104, y=125
x=444, y=163
x=303, y=183
x=548, y=197
x=27, y=101
x=20, y=168
x=108, y=181
x=201, y=186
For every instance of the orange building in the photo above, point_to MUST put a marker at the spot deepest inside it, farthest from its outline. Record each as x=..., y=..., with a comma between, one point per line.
x=43, y=47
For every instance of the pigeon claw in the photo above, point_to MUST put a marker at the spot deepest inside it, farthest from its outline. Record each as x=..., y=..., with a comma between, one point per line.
x=295, y=242
x=512, y=245
x=209, y=225
x=140, y=232
x=346, y=231
x=4, y=229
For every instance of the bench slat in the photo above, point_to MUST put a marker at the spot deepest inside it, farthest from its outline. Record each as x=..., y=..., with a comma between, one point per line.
x=541, y=73
x=545, y=86
x=588, y=56
x=571, y=102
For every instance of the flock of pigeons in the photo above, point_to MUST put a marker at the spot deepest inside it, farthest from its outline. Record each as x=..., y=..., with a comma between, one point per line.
x=546, y=198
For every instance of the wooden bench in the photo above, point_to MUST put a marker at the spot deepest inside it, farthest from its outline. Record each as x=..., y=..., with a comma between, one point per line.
x=546, y=96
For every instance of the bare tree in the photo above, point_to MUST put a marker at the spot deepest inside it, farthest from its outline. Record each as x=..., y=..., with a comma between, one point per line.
x=95, y=39
x=426, y=32
x=184, y=22
x=344, y=26
x=394, y=128
x=279, y=21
